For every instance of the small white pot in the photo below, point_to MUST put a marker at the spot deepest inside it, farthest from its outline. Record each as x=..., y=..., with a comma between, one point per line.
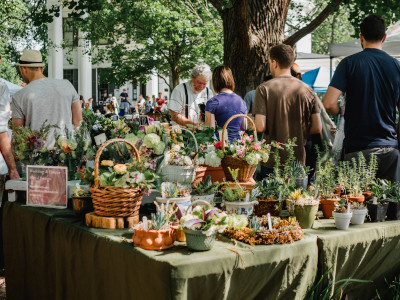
x=182, y=202
x=179, y=173
x=239, y=207
x=208, y=198
x=358, y=216
x=342, y=220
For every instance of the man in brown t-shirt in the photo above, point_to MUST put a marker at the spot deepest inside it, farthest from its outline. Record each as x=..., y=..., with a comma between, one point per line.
x=285, y=107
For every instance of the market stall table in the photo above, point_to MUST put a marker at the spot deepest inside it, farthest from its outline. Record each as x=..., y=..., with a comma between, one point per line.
x=370, y=252
x=51, y=254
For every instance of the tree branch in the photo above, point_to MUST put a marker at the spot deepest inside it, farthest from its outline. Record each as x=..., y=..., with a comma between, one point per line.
x=166, y=82
x=330, y=8
x=218, y=5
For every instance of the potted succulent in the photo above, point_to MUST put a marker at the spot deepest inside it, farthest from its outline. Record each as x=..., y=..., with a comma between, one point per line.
x=342, y=215
x=156, y=234
x=201, y=225
x=300, y=175
x=81, y=200
x=349, y=178
x=175, y=192
x=325, y=182
x=270, y=198
x=393, y=211
x=204, y=190
x=367, y=172
x=378, y=206
x=359, y=211
x=305, y=207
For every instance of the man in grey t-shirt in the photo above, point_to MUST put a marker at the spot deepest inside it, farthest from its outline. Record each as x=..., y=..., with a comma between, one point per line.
x=54, y=100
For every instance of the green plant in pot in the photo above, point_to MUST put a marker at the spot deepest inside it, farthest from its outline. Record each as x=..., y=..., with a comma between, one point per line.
x=326, y=182
x=305, y=207
x=367, y=173
x=175, y=192
x=342, y=214
x=378, y=205
x=355, y=184
x=204, y=190
x=270, y=198
x=300, y=175
x=156, y=234
x=393, y=197
x=81, y=200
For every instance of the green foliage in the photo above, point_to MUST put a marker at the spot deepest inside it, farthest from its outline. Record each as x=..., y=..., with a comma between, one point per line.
x=380, y=188
x=9, y=72
x=325, y=176
x=254, y=224
x=205, y=188
x=159, y=218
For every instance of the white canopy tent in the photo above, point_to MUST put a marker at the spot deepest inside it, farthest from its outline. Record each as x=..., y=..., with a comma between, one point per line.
x=390, y=46
x=310, y=61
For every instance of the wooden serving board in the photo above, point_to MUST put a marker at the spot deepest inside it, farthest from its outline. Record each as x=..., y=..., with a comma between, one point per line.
x=93, y=220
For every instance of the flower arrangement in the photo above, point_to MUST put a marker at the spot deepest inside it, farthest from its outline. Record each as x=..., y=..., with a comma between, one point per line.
x=209, y=221
x=247, y=148
x=283, y=231
x=179, y=156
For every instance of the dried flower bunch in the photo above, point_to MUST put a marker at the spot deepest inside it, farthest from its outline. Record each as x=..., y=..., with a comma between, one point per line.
x=284, y=231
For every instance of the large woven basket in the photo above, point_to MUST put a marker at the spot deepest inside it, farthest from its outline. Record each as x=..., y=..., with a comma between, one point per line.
x=246, y=171
x=111, y=201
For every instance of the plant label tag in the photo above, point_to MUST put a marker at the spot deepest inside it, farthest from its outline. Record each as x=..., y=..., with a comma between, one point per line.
x=100, y=139
x=247, y=197
x=145, y=225
x=375, y=201
x=269, y=221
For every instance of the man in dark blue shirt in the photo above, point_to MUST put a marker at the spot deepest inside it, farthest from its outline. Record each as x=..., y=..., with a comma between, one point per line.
x=371, y=81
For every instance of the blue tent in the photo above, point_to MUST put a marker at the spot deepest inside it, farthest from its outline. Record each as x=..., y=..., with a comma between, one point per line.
x=13, y=88
x=318, y=79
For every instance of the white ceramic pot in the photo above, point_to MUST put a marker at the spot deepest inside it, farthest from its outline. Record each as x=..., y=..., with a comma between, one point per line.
x=342, y=220
x=358, y=216
x=208, y=198
x=182, y=202
x=239, y=207
x=179, y=173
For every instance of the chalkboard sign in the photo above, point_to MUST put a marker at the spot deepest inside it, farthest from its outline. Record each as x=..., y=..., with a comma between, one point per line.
x=144, y=120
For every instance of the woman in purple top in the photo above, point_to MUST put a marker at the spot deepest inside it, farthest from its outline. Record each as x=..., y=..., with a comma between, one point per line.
x=225, y=104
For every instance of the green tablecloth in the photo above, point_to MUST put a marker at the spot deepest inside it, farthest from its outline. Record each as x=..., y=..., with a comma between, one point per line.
x=50, y=254
x=369, y=252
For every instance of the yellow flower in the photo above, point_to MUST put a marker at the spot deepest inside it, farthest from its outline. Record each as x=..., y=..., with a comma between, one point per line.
x=120, y=168
x=107, y=163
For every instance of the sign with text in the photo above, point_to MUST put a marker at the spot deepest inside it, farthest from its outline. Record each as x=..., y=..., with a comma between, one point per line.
x=47, y=186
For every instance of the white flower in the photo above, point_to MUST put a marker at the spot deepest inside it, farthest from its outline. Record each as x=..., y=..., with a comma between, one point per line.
x=159, y=148
x=211, y=159
x=176, y=147
x=201, y=161
x=138, y=177
x=151, y=140
x=187, y=161
x=210, y=148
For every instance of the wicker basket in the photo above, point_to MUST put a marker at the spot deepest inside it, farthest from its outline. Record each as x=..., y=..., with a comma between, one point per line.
x=246, y=171
x=111, y=201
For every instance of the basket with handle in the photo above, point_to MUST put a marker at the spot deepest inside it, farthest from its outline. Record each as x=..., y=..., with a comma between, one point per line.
x=246, y=171
x=111, y=201
x=196, y=239
x=180, y=173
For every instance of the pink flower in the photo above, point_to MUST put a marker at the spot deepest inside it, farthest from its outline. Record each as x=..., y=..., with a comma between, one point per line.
x=257, y=147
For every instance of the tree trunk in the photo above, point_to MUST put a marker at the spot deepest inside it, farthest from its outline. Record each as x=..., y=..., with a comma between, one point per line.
x=250, y=28
x=176, y=76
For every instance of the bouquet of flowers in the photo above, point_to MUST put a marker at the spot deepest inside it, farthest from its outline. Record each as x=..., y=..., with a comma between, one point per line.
x=247, y=148
x=209, y=221
x=179, y=156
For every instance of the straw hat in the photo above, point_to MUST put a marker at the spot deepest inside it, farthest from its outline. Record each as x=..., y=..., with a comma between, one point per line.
x=31, y=58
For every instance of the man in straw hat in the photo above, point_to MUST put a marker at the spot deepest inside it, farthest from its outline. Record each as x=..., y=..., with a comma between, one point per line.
x=54, y=100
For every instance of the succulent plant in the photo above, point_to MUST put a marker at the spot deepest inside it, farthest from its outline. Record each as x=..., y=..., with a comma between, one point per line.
x=254, y=224
x=159, y=218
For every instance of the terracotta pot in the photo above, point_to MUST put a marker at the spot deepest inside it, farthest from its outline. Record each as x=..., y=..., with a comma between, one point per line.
x=265, y=206
x=367, y=195
x=338, y=191
x=154, y=239
x=328, y=206
x=248, y=185
x=352, y=198
x=200, y=172
x=217, y=174
x=179, y=233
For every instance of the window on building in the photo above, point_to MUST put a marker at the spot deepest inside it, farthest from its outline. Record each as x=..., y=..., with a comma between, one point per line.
x=70, y=32
x=72, y=76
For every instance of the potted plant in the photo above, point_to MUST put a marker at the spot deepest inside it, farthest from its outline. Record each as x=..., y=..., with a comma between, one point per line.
x=175, y=192
x=156, y=234
x=342, y=215
x=378, y=206
x=359, y=211
x=367, y=172
x=243, y=154
x=270, y=198
x=325, y=182
x=201, y=225
x=305, y=207
x=81, y=201
x=204, y=190
x=393, y=211
x=237, y=199
x=300, y=175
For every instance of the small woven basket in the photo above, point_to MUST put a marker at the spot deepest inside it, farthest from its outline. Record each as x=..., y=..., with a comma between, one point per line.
x=111, y=201
x=246, y=171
